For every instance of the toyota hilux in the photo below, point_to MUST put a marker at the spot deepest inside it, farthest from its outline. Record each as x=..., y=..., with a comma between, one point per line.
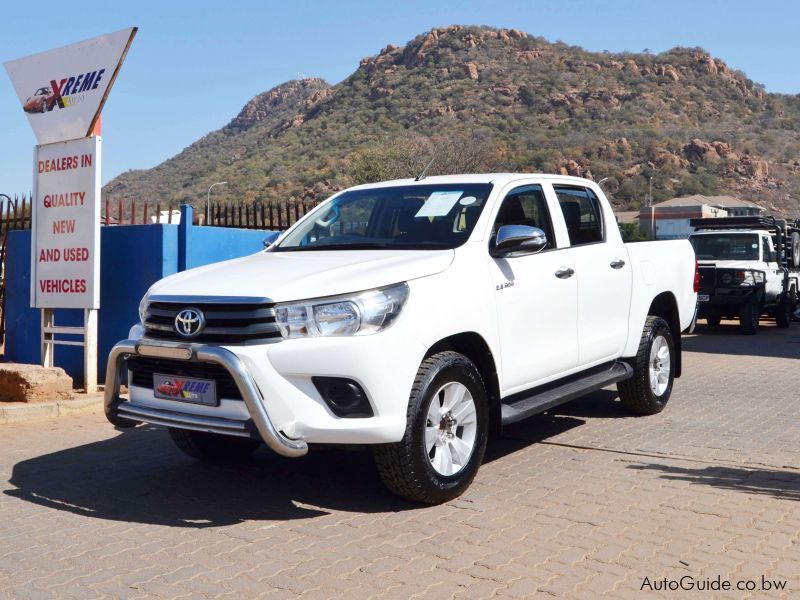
x=412, y=317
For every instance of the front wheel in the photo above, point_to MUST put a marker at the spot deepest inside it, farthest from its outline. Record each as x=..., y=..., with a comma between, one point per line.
x=648, y=391
x=446, y=432
x=713, y=319
x=749, y=313
x=784, y=311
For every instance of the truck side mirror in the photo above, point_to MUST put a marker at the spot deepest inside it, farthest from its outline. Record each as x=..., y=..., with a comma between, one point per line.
x=518, y=240
x=271, y=237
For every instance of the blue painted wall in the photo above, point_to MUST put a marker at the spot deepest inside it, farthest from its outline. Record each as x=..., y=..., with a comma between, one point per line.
x=133, y=257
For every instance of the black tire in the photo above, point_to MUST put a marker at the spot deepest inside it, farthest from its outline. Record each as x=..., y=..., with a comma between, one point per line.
x=749, y=314
x=405, y=467
x=636, y=393
x=784, y=312
x=794, y=250
x=212, y=447
x=713, y=319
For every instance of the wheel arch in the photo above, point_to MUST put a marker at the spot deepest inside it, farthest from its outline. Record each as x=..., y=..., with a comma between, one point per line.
x=474, y=347
x=665, y=306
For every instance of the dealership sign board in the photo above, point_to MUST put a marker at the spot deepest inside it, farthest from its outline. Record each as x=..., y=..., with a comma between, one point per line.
x=62, y=91
x=65, y=244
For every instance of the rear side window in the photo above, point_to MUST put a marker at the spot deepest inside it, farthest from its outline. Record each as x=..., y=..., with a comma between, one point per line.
x=525, y=206
x=765, y=249
x=581, y=210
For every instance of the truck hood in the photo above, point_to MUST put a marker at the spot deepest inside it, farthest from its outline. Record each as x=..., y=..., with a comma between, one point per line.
x=285, y=276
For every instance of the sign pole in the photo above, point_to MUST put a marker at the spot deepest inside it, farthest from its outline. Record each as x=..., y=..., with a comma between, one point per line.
x=48, y=359
x=90, y=350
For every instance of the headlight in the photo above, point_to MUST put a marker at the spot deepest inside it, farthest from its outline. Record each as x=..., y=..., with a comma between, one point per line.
x=357, y=314
x=143, y=307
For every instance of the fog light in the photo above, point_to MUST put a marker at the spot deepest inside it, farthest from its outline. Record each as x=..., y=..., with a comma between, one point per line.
x=345, y=397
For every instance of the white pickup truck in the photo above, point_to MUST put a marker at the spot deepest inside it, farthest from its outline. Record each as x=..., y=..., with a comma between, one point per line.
x=749, y=266
x=412, y=316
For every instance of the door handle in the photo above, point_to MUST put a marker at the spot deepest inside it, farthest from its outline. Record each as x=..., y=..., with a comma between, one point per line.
x=617, y=264
x=565, y=273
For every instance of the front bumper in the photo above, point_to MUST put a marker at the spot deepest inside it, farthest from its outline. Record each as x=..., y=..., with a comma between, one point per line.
x=726, y=297
x=121, y=412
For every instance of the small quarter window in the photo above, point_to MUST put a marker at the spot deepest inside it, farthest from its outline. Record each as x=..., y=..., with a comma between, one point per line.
x=582, y=214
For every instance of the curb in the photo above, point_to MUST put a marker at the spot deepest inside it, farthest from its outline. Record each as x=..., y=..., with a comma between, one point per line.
x=21, y=412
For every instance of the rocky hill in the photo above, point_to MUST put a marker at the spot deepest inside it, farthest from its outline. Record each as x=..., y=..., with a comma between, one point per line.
x=479, y=98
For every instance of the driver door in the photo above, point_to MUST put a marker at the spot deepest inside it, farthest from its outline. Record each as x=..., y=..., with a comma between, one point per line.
x=536, y=298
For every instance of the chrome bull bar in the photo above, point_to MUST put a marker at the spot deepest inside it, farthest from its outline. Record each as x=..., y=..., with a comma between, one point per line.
x=117, y=413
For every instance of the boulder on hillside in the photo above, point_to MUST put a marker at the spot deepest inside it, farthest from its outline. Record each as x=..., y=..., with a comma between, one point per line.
x=33, y=383
x=471, y=70
x=698, y=150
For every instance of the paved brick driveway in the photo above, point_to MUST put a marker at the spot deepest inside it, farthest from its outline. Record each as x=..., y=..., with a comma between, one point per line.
x=582, y=502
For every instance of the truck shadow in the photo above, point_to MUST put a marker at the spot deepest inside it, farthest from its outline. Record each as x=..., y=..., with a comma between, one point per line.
x=775, y=483
x=726, y=339
x=139, y=476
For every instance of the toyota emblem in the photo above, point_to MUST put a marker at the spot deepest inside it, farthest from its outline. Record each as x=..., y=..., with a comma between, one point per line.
x=190, y=322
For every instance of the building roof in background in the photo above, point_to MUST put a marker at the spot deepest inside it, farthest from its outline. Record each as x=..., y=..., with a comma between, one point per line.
x=700, y=199
x=627, y=216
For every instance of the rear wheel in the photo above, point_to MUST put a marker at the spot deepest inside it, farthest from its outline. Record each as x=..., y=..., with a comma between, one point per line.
x=749, y=313
x=648, y=391
x=446, y=433
x=212, y=447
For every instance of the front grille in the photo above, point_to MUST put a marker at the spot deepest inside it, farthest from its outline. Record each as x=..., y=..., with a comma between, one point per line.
x=226, y=323
x=142, y=370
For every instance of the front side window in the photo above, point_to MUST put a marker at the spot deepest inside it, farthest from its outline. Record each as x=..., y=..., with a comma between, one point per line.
x=582, y=214
x=410, y=217
x=524, y=206
x=765, y=249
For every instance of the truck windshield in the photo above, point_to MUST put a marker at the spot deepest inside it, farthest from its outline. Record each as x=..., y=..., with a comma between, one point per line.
x=411, y=217
x=725, y=246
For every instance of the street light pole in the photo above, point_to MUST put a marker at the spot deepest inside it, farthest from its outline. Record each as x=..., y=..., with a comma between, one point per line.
x=651, y=190
x=208, y=197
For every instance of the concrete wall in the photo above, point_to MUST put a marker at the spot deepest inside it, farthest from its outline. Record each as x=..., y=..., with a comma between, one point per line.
x=133, y=257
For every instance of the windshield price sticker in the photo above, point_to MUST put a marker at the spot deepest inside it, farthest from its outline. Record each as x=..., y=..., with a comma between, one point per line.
x=439, y=204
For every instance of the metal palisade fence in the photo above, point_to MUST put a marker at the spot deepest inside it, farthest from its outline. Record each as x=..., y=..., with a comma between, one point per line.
x=15, y=213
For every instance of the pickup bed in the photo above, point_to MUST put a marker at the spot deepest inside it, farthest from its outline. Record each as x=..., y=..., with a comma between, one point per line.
x=411, y=316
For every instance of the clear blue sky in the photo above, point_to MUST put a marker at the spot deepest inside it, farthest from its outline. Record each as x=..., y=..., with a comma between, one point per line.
x=193, y=65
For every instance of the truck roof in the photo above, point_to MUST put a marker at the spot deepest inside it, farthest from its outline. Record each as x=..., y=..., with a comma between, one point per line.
x=495, y=178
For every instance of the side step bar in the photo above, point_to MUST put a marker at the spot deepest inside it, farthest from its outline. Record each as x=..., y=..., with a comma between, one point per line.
x=539, y=400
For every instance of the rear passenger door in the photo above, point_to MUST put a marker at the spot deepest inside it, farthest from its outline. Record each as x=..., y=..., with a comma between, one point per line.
x=536, y=296
x=602, y=272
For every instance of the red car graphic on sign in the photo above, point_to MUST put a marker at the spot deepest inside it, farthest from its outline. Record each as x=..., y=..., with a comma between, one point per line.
x=169, y=388
x=43, y=100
